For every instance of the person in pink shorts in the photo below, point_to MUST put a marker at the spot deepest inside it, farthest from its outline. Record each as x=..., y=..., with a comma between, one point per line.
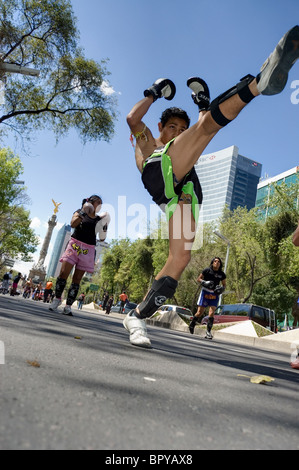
x=80, y=251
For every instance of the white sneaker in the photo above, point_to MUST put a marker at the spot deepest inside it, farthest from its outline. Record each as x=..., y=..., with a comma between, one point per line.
x=208, y=335
x=54, y=305
x=67, y=311
x=137, y=329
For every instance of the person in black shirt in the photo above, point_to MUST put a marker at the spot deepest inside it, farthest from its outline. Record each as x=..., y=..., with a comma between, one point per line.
x=210, y=279
x=80, y=251
x=15, y=283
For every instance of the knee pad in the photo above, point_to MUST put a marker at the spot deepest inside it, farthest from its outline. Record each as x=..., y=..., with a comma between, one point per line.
x=162, y=289
x=72, y=294
x=59, y=288
x=242, y=89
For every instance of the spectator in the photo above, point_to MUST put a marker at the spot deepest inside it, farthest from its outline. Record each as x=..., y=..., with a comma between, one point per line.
x=48, y=291
x=5, y=284
x=81, y=300
x=123, y=299
x=109, y=304
x=15, y=283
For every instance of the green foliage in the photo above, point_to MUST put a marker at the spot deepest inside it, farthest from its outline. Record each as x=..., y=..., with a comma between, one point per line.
x=17, y=239
x=10, y=169
x=69, y=92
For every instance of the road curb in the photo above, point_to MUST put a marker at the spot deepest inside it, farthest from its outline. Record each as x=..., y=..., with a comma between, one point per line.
x=250, y=341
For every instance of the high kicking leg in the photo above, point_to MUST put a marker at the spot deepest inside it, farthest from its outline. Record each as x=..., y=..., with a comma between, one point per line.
x=271, y=80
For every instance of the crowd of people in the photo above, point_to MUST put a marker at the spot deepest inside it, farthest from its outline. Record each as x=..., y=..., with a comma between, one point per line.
x=21, y=285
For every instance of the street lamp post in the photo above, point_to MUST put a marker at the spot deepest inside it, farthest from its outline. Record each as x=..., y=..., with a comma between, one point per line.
x=226, y=257
x=12, y=68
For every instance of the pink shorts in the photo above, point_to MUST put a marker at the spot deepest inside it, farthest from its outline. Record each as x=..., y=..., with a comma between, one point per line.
x=79, y=254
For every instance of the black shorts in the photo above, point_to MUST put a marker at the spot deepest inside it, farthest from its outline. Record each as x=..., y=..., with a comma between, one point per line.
x=159, y=181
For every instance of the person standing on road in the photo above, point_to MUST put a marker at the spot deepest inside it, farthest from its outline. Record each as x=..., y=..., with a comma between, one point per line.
x=210, y=279
x=167, y=162
x=15, y=283
x=5, y=282
x=27, y=289
x=105, y=300
x=123, y=299
x=109, y=304
x=48, y=291
x=80, y=251
x=81, y=300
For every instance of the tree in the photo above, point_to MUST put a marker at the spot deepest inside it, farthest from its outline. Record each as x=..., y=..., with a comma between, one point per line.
x=247, y=264
x=70, y=91
x=10, y=169
x=283, y=256
x=112, y=261
x=17, y=239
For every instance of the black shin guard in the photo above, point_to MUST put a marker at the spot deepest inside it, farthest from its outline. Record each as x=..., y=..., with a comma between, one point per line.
x=59, y=288
x=72, y=294
x=210, y=324
x=242, y=89
x=162, y=289
x=194, y=320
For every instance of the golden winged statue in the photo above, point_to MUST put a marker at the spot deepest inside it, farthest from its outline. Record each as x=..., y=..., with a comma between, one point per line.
x=56, y=206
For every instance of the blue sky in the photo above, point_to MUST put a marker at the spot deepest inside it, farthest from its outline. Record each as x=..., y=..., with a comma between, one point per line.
x=221, y=41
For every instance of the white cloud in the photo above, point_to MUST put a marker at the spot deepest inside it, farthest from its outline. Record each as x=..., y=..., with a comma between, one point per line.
x=35, y=222
x=107, y=89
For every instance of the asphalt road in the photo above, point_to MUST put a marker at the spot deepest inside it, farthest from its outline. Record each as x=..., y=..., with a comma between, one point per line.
x=93, y=390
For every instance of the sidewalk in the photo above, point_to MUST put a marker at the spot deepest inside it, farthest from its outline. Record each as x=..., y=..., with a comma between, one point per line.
x=240, y=333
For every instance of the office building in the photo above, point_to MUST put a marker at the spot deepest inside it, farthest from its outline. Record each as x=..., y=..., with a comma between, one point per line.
x=266, y=187
x=101, y=249
x=62, y=239
x=227, y=179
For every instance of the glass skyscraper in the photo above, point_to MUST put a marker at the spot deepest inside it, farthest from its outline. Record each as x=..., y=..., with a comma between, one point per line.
x=227, y=179
x=266, y=188
x=61, y=241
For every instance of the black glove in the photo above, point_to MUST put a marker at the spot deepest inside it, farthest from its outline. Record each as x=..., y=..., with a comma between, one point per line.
x=201, y=93
x=218, y=290
x=208, y=284
x=161, y=87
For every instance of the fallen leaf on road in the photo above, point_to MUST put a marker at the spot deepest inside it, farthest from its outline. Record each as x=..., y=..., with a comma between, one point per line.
x=33, y=363
x=78, y=337
x=258, y=379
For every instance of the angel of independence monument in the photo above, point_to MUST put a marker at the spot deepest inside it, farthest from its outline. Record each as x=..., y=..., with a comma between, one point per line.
x=39, y=270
